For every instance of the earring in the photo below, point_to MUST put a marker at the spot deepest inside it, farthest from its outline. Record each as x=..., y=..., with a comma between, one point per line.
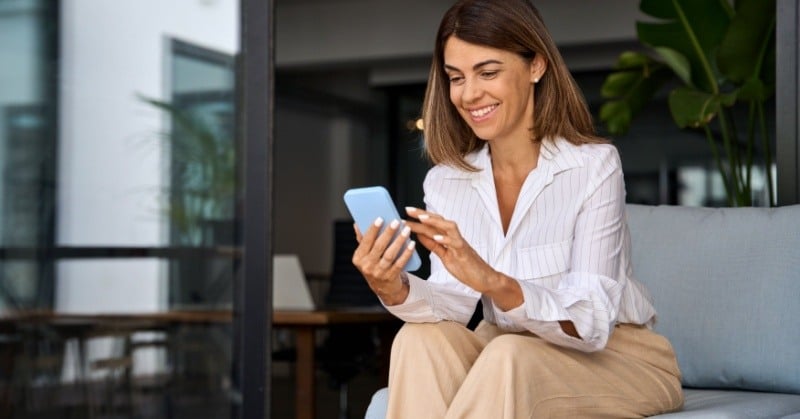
x=536, y=80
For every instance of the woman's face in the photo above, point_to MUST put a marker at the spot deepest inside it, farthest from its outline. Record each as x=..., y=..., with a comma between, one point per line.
x=492, y=89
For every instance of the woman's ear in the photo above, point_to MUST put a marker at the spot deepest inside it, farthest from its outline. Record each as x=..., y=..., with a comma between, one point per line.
x=538, y=68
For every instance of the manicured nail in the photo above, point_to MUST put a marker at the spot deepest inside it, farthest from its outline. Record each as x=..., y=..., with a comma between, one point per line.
x=424, y=216
x=411, y=209
x=393, y=225
x=438, y=237
x=411, y=245
x=378, y=222
x=406, y=231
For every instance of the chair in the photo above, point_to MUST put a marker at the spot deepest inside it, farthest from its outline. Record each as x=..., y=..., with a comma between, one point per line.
x=348, y=350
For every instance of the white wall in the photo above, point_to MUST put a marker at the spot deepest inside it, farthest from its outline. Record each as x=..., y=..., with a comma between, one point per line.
x=111, y=167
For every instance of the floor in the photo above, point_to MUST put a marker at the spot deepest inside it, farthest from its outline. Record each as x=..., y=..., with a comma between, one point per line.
x=360, y=391
x=68, y=402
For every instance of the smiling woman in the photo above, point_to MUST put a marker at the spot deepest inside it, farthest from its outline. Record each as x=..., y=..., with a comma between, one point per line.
x=492, y=89
x=525, y=213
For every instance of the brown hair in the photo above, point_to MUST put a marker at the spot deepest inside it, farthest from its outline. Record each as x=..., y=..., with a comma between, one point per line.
x=514, y=26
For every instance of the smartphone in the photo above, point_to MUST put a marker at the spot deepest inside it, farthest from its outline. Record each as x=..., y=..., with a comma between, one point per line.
x=367, y=204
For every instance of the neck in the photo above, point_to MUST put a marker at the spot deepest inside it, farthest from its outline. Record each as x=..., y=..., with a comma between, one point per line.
x=514, y=159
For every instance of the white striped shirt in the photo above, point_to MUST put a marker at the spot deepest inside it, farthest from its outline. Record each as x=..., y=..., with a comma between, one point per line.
x=567, y=244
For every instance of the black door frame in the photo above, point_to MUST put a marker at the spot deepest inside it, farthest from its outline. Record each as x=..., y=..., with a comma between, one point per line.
x=253, y=300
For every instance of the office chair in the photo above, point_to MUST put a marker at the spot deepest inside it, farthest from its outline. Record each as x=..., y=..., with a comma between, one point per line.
x=348, y=350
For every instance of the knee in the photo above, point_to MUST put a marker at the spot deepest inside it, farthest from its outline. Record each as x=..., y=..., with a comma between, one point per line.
x=505, y=347
x=424, y=333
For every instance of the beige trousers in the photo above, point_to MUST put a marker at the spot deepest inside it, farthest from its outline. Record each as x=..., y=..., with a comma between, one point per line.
x=444, y=370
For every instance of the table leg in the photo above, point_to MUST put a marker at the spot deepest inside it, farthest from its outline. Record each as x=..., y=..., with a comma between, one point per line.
x=305, y=396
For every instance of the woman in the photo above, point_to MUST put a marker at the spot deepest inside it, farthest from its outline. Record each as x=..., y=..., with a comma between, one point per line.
x=524, y=211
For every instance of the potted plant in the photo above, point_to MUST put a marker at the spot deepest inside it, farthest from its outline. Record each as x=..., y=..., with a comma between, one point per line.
x=719, y=60
x=201, y=198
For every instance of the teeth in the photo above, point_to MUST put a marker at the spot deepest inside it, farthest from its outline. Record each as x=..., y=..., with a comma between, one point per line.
x=482, y=111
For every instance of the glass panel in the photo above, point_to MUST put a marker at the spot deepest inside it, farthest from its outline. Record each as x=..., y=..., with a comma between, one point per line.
x=117, y=210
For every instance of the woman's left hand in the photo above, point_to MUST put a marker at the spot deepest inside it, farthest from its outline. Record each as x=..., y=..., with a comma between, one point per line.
x=443, y=238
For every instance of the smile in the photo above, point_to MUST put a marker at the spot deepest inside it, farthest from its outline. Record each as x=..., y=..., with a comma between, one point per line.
x=481, y=112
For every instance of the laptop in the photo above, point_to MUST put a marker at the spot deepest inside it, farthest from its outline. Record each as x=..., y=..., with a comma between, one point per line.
x=289, y=286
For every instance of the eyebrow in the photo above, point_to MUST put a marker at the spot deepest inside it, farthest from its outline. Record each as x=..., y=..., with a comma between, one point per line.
x=476, y=66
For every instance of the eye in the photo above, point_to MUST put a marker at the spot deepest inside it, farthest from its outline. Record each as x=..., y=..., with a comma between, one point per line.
x=456, y=80
x=489, y=74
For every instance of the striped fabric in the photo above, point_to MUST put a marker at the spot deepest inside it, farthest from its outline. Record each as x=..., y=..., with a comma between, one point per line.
x=567, y=244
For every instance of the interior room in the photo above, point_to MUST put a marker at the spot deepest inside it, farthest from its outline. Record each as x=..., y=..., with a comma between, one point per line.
x=173, y=238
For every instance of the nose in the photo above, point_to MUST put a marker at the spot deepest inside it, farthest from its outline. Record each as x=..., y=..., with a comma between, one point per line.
x=471, y=91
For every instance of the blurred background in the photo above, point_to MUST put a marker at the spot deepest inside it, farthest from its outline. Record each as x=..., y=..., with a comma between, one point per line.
x=121, y=178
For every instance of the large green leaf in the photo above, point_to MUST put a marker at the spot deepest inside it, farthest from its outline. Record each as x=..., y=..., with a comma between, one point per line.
x=630, y=88
x=616, y=114
x=678, y=63
x=754, y=90
x=692, y=28
x=692, y=108
x=743, y=50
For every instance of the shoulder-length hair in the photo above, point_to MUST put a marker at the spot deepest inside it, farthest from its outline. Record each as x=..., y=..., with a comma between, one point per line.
x=515, y=26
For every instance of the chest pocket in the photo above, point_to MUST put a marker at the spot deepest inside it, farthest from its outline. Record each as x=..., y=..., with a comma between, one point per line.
x=543, y=260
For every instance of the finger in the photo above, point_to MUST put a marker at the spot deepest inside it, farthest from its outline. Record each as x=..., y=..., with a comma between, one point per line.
x=358, y=232
x=436, y=220
x=414, y=212
x=446, y=229
x=382, y=241
x=442, y=240
x=368, y=239
x=396, y=247
x=423, y=229
x=406, y=251
x=373, y=230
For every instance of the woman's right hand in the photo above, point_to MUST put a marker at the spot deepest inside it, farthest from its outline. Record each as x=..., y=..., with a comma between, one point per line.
x=381, y=260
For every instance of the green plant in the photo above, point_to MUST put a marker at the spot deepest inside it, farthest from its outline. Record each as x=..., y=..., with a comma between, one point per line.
x=722, y=56
x=203, y=174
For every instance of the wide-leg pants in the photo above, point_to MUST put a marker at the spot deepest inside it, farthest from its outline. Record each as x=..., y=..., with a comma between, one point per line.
x=444, y=370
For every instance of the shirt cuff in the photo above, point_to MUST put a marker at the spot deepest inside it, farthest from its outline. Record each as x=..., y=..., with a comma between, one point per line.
x=418, y=295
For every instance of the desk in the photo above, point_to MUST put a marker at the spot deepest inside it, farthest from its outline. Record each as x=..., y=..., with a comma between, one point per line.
x=304, y=324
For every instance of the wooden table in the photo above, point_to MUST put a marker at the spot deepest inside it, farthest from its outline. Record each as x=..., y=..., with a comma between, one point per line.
x=304, y=324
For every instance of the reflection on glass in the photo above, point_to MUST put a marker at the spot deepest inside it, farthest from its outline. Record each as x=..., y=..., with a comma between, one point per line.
x=116, y=216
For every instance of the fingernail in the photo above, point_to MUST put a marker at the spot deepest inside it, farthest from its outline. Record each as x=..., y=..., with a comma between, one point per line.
x=406, y=231
x=411, y=209
x=411, y=245
x=438, y=237
x=378, y=222
x=424, y=216
x=393, y=225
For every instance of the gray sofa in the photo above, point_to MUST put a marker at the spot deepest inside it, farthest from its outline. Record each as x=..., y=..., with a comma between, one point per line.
x=726, y=284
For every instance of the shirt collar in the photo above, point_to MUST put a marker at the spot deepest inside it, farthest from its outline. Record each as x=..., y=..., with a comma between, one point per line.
x=557, y=155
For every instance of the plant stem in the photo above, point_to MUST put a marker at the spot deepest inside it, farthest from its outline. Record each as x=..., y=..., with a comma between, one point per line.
x=767, y=152
x=728, y=8
x=751, y=128
x=696, y=45
x=712, y=142
x=733, y=161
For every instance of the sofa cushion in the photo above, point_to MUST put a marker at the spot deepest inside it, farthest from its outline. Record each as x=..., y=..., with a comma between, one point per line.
x=726, y=284
x=699, y=404
x=714, y=404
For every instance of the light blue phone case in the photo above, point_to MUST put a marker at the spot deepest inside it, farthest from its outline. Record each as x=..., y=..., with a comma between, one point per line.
x=367, y=204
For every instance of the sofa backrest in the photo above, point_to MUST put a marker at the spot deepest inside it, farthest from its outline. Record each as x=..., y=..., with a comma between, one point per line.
x=726, y=285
